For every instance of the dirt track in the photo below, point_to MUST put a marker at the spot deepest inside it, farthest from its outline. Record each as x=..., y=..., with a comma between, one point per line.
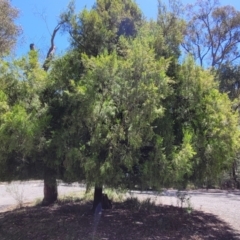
x=224, y=204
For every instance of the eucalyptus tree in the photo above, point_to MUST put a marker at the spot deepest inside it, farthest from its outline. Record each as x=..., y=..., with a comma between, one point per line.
x=212, y=33
x=212, y=38
x=170, y=28
x=9, y=30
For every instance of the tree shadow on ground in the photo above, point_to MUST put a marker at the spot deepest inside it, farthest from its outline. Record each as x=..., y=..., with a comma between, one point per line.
x=128, y=220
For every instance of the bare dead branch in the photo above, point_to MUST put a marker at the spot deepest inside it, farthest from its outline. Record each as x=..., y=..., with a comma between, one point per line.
x=52, y=46
x=52, y=39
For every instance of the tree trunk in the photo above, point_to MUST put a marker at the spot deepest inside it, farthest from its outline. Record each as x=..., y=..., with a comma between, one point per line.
x=97, y=197
x=50, y=180
x=234, y=171
x=50, y=187
x=88, y=188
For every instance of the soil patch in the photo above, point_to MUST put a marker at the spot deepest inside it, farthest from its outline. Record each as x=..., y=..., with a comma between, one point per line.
x=126, y=221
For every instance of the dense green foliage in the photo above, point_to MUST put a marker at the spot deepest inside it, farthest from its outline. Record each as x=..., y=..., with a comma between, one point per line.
x=22, y=115
x=118, y=109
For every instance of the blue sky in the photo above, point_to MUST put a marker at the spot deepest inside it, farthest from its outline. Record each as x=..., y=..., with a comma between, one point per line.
x=39, y=17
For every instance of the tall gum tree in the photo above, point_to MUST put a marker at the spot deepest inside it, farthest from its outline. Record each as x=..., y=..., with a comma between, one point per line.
x=212, y=33
x=43, y=157
x=9, y=31
x=29, y=129
x=214, y=47
x=169, y=28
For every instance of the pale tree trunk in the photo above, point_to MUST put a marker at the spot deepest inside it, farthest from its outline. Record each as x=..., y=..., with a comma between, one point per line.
x=50, y=180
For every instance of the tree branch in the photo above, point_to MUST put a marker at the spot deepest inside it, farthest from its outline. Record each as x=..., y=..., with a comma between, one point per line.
x=52, y=39
x=47, y=60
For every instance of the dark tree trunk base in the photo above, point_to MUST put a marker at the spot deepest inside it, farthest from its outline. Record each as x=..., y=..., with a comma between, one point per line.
x=101, y=201
x=50, y=187
x=97, y=197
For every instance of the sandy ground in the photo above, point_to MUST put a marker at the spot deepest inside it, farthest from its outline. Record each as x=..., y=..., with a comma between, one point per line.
x=224, y=204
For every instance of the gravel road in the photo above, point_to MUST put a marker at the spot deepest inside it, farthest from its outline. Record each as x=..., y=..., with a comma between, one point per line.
x=30, y=191
x=224, y=204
